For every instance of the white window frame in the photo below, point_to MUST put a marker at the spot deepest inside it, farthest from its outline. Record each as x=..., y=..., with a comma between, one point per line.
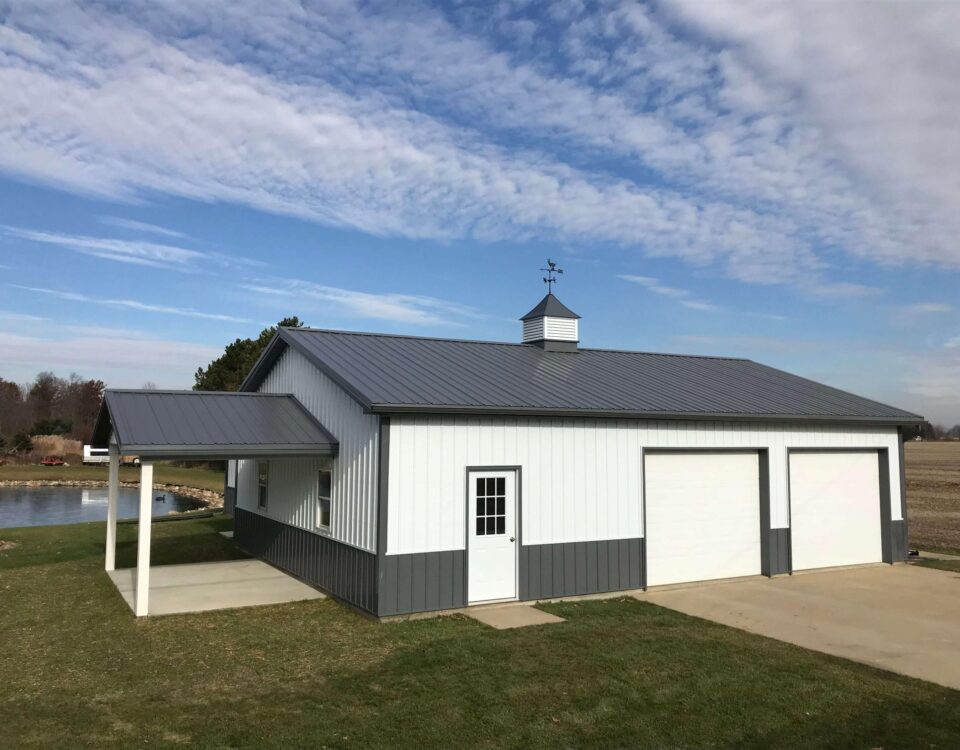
x=324, y=498
x=263, y=488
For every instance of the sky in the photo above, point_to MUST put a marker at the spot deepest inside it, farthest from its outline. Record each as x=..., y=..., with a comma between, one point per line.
x=778, y=181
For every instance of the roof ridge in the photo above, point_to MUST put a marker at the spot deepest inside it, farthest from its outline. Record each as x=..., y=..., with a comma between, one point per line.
x=484, y=342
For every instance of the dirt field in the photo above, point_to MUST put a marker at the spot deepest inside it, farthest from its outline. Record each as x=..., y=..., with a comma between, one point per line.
x=933, y=495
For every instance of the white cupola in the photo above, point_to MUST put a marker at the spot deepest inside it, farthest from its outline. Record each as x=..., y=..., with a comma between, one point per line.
x=552, y=326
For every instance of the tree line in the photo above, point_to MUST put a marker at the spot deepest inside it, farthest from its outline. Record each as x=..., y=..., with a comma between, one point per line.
x=68, y=407
x=930, y=431
x=49, y=405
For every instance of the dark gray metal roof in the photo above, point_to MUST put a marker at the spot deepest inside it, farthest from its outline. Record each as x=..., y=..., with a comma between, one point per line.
x=210, y=425
x=399, y=374
x=552, y=307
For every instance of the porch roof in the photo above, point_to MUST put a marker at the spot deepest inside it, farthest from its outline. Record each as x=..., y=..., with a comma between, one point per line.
x=210, y=425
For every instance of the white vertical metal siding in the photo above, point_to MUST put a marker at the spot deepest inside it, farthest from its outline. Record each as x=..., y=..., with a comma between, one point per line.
x=581, y=478
x=293, y=482
x=561, y=329
x=532, y=330
x=555, y=329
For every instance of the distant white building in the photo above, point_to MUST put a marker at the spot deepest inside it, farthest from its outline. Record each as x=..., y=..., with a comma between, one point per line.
x=93, y=455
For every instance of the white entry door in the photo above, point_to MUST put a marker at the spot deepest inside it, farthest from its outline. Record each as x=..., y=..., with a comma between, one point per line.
x=834, y=509
x=492, y=536
x=703, y=516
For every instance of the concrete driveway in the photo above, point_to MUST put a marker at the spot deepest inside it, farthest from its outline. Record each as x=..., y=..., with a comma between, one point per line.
x=903, y=618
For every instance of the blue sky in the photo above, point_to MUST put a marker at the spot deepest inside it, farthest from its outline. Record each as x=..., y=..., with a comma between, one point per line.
x=775, y=181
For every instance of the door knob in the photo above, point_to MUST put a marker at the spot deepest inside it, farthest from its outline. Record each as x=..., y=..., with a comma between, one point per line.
x=513, y=539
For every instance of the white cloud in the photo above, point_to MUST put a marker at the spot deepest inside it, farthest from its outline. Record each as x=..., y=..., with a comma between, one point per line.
x=136, y=252
x=401, y=308
x=125, y=251
x=287, y=129
x=928, y=308
x=720, y=161
x=953, y=343
x=133, y=305
x=14, y=317
x=140, y=226
x=683, y=296
x=879, y=81
x=122, y=361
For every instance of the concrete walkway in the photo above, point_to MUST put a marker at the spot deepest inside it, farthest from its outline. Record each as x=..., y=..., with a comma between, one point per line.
x=508, y=616
x=902, y=618
x=199, y=587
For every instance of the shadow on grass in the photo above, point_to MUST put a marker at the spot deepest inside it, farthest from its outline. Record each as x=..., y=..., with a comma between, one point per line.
x=172, y=542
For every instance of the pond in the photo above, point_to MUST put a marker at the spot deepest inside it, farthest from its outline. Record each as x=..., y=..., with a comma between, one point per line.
x=45, y=506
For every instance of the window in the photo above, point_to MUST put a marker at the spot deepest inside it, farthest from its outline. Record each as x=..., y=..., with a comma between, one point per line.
x=263, y=475
x=324, y=484
x=491, y=506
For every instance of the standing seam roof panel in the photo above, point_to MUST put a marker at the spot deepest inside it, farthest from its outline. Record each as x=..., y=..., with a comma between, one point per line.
x=398, y=371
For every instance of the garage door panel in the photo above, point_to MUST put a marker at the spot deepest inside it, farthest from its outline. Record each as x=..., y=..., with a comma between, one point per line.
x=835, y=509
x=703, y=516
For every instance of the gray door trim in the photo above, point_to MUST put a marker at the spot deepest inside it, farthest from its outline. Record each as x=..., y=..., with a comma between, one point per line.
x=518, y=492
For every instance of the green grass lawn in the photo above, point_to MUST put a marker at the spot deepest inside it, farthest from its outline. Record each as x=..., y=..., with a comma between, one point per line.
x=952, y=566
x=202, y=479
x=77, y=670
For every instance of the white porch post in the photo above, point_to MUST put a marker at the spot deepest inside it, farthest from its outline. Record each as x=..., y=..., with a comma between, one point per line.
x=143, y=538
x=113, y=488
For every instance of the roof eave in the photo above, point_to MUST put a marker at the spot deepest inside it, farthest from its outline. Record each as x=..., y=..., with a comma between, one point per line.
x=890, y=421
x=227, y=452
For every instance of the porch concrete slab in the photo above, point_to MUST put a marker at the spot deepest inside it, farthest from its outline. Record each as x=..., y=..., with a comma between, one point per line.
x=903, y=618
x=511, y=616
x=175, y=589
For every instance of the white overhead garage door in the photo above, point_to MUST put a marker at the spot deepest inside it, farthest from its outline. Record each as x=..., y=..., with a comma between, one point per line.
x=702, y=516
x=834, y=509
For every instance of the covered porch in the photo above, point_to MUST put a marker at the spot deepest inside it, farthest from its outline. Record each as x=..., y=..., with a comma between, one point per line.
x=200, y=426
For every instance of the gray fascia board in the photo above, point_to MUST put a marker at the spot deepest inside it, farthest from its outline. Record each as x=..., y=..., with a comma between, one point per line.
x=608, y=414
x=264, y=363
x=357, y=395
x=316, y=422
x=174, y=452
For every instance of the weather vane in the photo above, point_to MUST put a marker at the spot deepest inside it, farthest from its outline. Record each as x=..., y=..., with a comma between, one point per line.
x=551, y=278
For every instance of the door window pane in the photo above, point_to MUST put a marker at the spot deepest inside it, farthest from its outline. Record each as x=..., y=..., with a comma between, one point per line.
x=491, y=506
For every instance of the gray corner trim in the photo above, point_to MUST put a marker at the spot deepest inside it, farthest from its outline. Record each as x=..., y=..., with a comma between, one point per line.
x=229, y=500
x=383, y=484
x=518, y=476
x=898, y=541
x=548, y=571
x=886, y=535
x=346, y=572
x=903, y=475
x=421, y=582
